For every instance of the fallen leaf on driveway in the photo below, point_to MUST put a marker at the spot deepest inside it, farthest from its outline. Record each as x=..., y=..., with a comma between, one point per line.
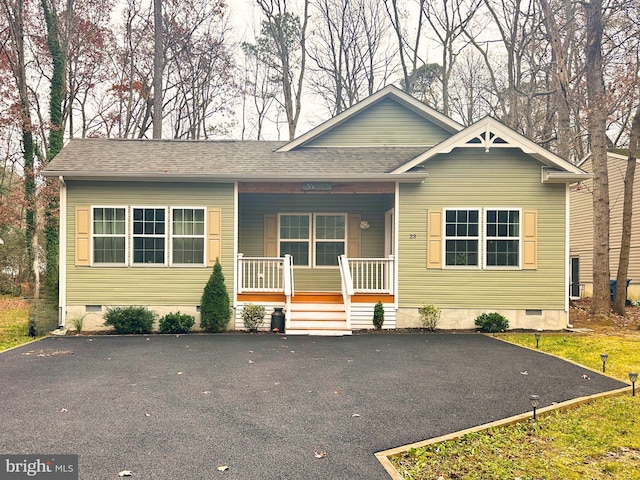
x=125, y=473
x=223, y=468
x=320, y=454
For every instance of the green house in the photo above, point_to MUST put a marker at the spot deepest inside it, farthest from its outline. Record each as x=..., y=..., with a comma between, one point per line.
x=388, y=201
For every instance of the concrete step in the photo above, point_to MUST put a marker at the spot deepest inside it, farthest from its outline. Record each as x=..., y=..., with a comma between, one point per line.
x=319, y=332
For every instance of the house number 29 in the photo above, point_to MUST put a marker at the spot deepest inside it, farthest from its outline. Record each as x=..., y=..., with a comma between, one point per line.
x=412, y=236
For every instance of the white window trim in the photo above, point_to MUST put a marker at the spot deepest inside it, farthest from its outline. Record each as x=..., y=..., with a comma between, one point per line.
x=478, y=238
x=486, y=238
x=316, y=241
x=172, y=236
x=309, y=240
x=126, y=237
x=166, y=237
x=313, y=240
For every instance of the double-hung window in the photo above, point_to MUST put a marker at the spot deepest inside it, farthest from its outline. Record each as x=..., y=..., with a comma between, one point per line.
x=330, y=239
x=187, y=236
x=462, y=237
x=149, y=236
x=502, y=238
x=109, y=235
x=313, y=240
x=295, y=237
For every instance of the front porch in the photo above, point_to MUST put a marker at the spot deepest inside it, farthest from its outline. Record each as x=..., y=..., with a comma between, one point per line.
x=270, y=282
x=321, y=251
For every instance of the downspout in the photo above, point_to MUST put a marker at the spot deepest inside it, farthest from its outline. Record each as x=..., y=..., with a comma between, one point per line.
x=396, y=252
x=567, y=246
x=62, y=279
x=236, y=260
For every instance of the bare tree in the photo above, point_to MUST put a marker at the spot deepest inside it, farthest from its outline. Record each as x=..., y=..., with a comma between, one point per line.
x=407, y=51
x=13, y=48
x=158, y=67
x=282, y=45
x=597, y=118
x=449, y=21
x=619, y=302
x=347, y=46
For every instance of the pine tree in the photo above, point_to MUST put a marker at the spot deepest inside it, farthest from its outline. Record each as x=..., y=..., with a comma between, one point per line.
x=214, y=306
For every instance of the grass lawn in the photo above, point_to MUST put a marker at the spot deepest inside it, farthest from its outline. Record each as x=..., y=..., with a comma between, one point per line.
x=600, y=440
x=13, y=322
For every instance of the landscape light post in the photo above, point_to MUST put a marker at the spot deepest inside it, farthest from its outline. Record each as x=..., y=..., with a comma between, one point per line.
x=603, y=357
x=633, y=376
x=535, y=400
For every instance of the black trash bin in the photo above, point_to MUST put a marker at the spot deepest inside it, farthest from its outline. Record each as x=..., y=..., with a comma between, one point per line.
x=277, y=320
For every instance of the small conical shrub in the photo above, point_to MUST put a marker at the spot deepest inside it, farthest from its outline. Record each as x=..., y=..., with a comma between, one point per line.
x=378, y=315
x=214, y=306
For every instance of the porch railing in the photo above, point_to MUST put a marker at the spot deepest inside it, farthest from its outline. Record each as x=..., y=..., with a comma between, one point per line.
x=373, y=275
x=261, y=274
x=346, y=286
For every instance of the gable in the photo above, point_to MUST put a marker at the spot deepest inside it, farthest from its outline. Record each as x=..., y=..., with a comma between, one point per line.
x=384, y=123
x=488, y=135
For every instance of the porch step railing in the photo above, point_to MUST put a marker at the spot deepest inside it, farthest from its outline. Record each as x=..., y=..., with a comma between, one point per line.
x=346, y=286
x=373, y=275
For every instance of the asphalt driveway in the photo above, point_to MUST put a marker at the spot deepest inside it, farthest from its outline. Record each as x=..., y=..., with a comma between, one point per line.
x=167, y=407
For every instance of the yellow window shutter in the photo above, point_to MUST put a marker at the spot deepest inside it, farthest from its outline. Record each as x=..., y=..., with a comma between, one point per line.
x=529, y=239
x=434, y=239
x=83, y=235
x=271, y=235
x=354, y=236
x=214, y=235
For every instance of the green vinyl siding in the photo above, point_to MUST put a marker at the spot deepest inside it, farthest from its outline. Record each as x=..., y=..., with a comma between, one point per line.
x=141, y=285
x=384, y=123
x=253, y=208
x=471, y=178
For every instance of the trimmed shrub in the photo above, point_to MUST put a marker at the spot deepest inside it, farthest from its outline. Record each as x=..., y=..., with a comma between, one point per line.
x=215, y=311
x=378, y=315
x=130, y=319
x=252, y=316
x=492, y=322
x=176, y=323
x=429, y=316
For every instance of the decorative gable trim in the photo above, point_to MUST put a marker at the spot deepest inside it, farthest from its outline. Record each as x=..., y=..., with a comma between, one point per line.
x=489, y=133
x=387, y=92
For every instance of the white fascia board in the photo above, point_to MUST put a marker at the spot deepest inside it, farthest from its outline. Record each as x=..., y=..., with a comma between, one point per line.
x=551, y=176
x=191, y=178
x=486, y=126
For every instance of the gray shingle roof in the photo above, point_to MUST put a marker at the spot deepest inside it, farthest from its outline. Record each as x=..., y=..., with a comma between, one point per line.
x=250, y=160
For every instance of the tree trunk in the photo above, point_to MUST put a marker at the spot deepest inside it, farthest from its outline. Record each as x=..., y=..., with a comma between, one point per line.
x=157, y=70
x=14, y=12
x=620, y=299
x=597, y=121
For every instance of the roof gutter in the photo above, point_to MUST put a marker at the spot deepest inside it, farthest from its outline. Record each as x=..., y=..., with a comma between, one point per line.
x=226, y=178
x=556, y=176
